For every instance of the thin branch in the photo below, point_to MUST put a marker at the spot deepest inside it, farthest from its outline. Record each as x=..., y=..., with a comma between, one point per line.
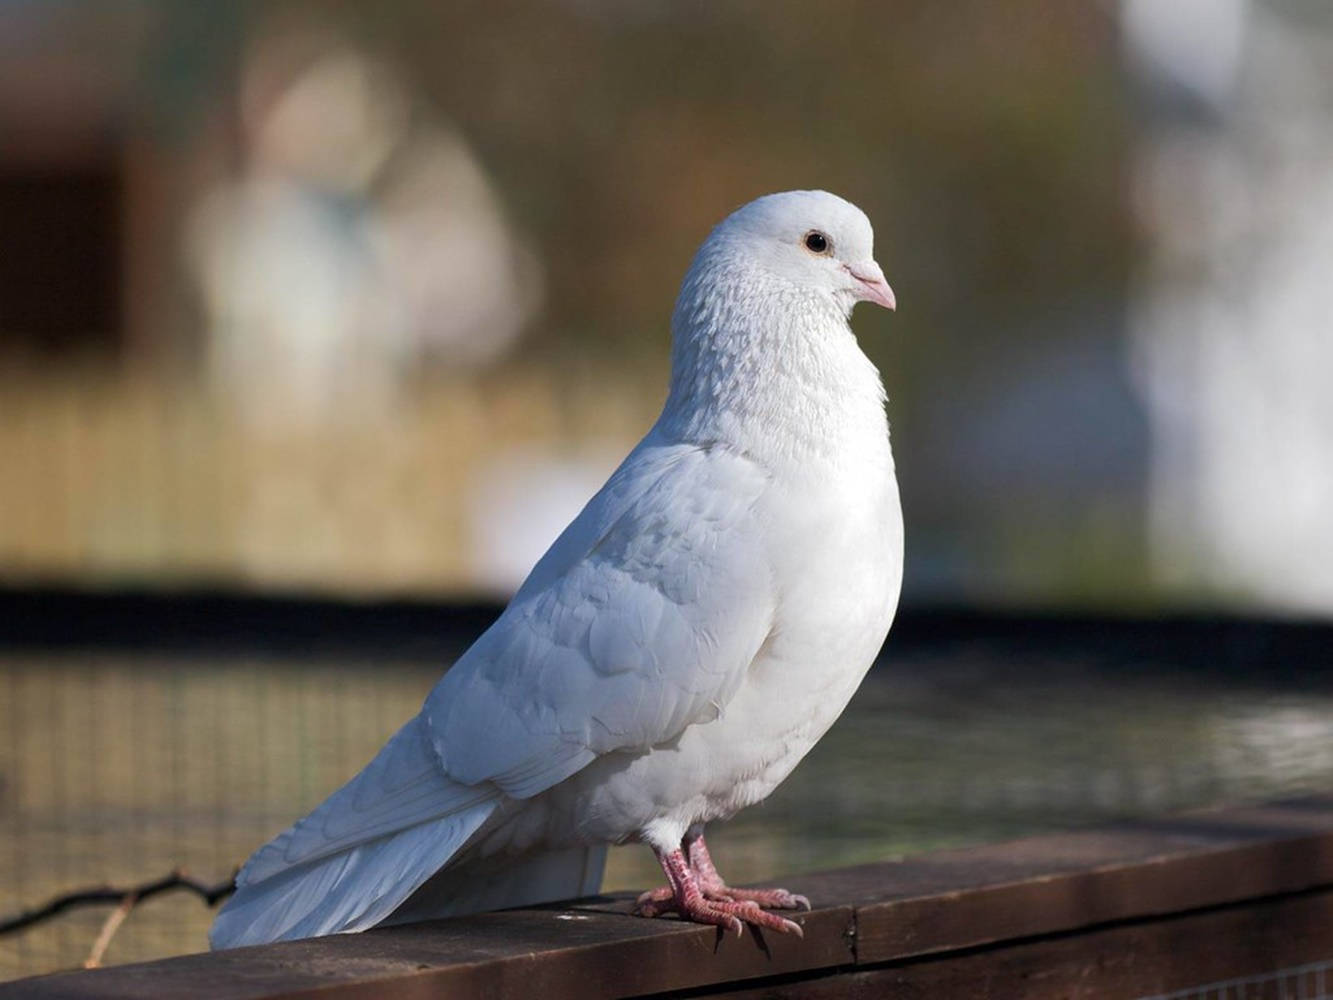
x=112, y=924
x=102, y=895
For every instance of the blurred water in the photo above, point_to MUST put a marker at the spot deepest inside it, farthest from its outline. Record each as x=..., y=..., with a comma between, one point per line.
x=117, y=768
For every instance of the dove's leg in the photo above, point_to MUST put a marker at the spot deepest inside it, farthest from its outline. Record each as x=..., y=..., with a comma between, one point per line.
x=701, y=895
x=688, y=900
x=714, y=888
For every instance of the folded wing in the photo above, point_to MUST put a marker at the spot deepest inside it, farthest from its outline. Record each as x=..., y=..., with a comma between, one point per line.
x=624, y=635
x=641, y=620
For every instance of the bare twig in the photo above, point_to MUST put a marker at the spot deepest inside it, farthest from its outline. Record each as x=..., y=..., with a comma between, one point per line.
x=101, y=895
x=112, y=924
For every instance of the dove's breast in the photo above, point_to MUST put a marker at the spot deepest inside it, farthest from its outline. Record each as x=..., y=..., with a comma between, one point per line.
x=842, y=560
x=835, y=537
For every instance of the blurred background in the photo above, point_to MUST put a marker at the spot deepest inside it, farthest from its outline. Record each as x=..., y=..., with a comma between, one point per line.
x=361, y=303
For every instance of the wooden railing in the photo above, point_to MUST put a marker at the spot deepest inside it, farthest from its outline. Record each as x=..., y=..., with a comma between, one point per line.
x=1234, y=903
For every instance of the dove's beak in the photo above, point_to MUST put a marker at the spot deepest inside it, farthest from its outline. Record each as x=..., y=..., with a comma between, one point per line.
x=871, y=286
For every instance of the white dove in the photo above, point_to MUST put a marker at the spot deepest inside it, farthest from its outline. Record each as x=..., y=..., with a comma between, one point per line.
x=680, y=647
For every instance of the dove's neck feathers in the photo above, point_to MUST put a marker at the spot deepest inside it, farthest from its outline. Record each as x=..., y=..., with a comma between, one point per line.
x=769, y=368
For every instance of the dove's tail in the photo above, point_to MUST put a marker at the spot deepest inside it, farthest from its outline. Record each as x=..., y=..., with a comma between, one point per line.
x=357, y=857
x=350, y=891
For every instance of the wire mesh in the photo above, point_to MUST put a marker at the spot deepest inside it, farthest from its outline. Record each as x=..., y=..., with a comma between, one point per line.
x=117, y=768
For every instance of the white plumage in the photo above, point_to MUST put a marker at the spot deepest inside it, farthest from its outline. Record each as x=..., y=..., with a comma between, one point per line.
x=679, y=648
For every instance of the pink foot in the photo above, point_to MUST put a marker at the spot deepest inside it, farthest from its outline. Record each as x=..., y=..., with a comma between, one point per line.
x=655, y=902
x=715, y=888
x=697, y=893
x=734, y=916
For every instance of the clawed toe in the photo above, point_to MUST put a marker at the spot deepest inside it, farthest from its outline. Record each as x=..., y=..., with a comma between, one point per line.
x=697, y=892
x=655, y=902
x=735, y=914
x=731, y=914
x=771, y=899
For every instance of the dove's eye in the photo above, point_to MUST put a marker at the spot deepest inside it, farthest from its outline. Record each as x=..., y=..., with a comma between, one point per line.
x=817, y=242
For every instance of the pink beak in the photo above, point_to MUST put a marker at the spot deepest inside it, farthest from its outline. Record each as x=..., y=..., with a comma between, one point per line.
x=873, y=287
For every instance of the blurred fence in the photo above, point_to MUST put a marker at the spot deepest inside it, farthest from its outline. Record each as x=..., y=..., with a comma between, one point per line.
x=116, y=770
x=140, y=478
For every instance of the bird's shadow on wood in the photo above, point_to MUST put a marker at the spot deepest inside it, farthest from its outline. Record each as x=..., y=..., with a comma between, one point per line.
x=760, y=942
x=622, y=904
x=756, y=934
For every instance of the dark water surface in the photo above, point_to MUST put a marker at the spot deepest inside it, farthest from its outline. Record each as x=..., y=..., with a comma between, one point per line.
x=118, y=767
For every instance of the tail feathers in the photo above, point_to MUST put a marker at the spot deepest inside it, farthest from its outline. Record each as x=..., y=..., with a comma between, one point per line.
x=404, y=786
x=502, y=881
x=349, y=891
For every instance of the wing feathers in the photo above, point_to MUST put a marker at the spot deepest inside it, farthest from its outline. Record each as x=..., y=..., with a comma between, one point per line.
x=642, y=619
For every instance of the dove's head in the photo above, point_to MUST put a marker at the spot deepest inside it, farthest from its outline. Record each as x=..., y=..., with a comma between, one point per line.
x=812, y=241
x=760, y=338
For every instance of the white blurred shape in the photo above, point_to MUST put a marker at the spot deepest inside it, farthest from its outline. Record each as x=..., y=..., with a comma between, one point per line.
x=336, y=124
x=466, y=285
x=1233, y=329
x=1193, y=44
x=288, y=286
x=517, y=506
x=358, y=237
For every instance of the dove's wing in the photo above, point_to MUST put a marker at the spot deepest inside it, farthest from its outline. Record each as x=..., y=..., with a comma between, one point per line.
x=641, y=620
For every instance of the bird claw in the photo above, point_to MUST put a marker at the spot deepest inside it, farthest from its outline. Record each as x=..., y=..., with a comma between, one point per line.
x=730, y=914
x=696, y=892
x=772, y=899
x=655, y=901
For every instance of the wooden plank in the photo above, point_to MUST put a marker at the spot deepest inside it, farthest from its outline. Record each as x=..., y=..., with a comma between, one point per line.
x=1060, y=883
x=947, y=902
x=1254, y=952
x=550, y=953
